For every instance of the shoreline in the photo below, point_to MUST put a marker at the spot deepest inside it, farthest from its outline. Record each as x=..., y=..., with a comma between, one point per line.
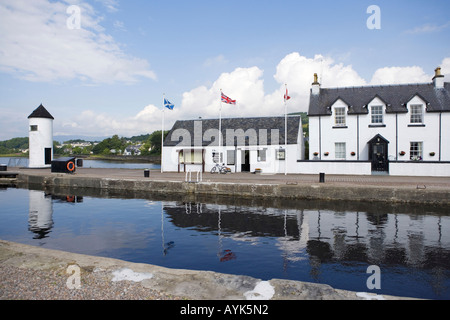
x=35, y=273
x=380, y=189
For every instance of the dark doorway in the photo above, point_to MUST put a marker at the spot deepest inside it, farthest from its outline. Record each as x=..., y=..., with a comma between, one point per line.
x=48, y=155
x=245, y=164
x=378, y=154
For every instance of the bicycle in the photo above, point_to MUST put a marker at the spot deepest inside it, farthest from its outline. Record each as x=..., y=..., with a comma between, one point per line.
x=219, y=168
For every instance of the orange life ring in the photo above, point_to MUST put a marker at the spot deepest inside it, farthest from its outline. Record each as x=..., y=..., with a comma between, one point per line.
x=71, y=166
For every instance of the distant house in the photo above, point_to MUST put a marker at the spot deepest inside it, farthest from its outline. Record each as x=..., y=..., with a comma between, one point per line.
x=395, y=129
x=246, y=144
x=132, y=150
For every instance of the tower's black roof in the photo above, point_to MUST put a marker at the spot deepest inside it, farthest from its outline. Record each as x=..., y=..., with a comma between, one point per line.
x=40, y=112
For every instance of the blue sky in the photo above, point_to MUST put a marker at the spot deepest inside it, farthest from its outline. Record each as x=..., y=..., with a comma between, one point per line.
x=109, y=76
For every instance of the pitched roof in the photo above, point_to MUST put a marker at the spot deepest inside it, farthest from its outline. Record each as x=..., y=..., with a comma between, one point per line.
x=395, y=96
x=239, y=130
x=40, y=112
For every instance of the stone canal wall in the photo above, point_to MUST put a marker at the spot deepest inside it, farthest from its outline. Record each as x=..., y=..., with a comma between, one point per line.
x=300, y=191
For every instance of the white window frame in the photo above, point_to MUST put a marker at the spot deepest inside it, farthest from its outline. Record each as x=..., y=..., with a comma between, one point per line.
x=262, y=155
x=416, y=150
x=340, y=118
x=340, y=150
x=416, y=116
x=378, y=115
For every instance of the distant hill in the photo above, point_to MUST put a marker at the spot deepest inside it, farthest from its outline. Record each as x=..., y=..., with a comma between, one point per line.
x=62, y=139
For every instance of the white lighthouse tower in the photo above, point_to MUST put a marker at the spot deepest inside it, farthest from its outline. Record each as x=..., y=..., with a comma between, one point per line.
x=40, y=138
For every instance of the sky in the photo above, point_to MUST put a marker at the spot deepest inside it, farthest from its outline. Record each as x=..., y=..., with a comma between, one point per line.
x=103, y=67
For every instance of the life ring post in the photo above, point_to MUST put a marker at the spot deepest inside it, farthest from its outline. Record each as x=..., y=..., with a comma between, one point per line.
x=71, y=166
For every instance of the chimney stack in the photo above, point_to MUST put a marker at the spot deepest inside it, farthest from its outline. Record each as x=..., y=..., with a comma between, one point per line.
x=438, y=79
x=315, y=85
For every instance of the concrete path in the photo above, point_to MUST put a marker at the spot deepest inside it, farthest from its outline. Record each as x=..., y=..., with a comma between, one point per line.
x=45, y=274
x=250, y=178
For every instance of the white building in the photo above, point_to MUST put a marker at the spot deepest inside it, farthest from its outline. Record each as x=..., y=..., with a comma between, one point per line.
x=246, y=144
x=392, y=129
x=40, y=138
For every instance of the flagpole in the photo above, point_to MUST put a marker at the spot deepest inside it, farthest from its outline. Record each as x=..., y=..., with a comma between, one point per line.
x=162, y=134
x=220, y=125
x=285, y=132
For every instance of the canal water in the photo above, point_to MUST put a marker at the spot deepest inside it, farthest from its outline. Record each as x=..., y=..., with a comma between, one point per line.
x=330, y=243
x=23, y=162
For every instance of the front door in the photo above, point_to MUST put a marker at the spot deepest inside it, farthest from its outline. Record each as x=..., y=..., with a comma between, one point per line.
x=378, y=154
x=48, y=155
x=245, y=161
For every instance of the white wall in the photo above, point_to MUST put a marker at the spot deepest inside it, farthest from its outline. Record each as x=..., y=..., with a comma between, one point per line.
x=270, y=165
x=420, y=169
x=39, y=141
x=404, y=133
x=335, y=167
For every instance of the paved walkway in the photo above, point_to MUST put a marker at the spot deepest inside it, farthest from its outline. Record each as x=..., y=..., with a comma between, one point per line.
x=250, y=178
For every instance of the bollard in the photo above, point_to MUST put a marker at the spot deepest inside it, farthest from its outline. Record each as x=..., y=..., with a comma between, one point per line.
x=3, y=167
x=79, y=163
x=146, y=173
x=322, y=177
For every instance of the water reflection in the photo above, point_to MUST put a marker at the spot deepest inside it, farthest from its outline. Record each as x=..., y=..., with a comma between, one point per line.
x=324, y=237
x=40, y=217
x=299, y=240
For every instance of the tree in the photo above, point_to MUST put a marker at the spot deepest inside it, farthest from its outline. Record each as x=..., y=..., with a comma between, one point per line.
x=155, y=142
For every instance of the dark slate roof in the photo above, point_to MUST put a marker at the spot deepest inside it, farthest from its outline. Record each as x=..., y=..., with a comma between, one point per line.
x=394, y=96
x=40, y=112
x=268, y=123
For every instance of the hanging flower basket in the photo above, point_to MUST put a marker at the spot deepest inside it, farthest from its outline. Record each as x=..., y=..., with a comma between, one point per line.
x=326, y=154
x=352, y=153
x=432, y=154
x=402, y=153
x=315, y=154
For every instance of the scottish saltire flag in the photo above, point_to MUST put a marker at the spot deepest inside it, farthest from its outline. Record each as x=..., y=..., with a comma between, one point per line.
x=227, y=100
x=167, y=104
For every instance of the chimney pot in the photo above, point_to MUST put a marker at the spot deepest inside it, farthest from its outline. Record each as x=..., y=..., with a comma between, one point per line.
x=438, y=79
x=437, y=71
x=315, y=85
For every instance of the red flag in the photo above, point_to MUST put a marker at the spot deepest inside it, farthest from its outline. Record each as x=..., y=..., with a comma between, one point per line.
x=286, y=96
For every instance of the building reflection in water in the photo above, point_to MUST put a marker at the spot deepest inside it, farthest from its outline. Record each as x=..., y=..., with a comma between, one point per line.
x=40, y=217
x=328, y=237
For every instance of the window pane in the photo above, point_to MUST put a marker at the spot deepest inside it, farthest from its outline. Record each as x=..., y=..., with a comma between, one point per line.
x=340, y=150
x=377, y=114
x=416, y=114
x=340, y=116
x=262, y=155
x=416, y=151
x=231, y=155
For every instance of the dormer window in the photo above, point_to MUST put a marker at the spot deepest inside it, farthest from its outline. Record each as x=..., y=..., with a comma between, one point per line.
x=416, y=111
x=377, y=114
x=339, y=117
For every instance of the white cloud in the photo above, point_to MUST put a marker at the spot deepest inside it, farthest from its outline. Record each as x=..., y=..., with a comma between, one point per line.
x=218, y=60
x=428, y=28
x=445, y=68
x=110, y=5
x=36, y=45
x=399, y=75
x=246, y=85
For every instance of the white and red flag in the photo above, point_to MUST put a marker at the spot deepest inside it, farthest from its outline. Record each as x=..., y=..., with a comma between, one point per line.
x=227, y=100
